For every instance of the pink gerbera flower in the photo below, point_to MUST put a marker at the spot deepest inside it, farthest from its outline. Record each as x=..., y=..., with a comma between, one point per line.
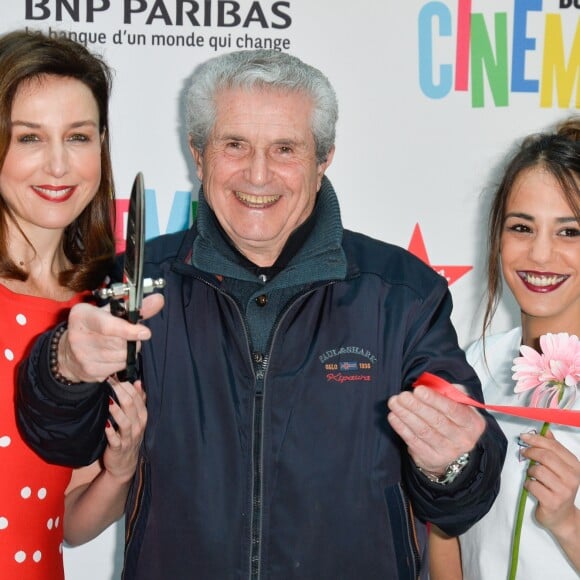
x=553, y=374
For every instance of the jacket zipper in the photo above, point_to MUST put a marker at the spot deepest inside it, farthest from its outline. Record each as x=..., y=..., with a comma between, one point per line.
x=257, y=472
x=258, y=442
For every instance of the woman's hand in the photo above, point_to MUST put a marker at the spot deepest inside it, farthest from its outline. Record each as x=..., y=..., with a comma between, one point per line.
x=130, y=416
x=553, y=481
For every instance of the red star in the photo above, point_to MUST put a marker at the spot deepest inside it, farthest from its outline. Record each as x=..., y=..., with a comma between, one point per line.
x=417, y=248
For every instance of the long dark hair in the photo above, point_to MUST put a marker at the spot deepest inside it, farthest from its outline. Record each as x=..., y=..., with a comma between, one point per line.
x=557, y=153
x=89, y=241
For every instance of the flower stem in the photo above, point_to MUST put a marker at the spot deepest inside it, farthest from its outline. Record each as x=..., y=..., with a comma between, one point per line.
x=520, y=518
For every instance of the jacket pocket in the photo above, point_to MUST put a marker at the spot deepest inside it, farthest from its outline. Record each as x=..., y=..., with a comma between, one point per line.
x=403, y=533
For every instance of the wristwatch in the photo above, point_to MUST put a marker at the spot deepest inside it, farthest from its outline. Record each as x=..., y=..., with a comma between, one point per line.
x=451, y=471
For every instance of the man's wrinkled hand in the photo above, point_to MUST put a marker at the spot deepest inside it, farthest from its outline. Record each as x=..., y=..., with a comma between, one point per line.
x=94, y=346
x=435, y=429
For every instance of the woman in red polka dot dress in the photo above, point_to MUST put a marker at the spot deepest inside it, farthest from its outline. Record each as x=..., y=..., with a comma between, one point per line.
x=56, y=243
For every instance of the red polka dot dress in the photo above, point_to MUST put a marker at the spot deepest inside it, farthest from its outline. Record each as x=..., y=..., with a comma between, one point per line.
x=31, y=491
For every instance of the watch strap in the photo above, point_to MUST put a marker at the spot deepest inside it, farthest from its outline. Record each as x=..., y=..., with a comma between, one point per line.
x=451, y=471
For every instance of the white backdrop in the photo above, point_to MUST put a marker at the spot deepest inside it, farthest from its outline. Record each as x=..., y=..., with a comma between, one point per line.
x=432, y=96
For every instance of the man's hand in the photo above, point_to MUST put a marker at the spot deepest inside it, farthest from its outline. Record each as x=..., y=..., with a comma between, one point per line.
x=436, y=429
x=94, y=345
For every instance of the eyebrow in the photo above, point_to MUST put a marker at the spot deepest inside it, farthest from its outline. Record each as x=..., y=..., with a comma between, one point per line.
x=281, y=141
x=525, y=216
x=31, y=125
x=292, y=142
x=229, y=137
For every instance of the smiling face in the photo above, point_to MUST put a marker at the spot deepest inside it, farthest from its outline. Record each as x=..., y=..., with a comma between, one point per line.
x=540, y=253
x=53, y=166
x=259, y=169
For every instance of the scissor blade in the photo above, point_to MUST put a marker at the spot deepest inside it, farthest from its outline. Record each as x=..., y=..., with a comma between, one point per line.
x=133, y=269
x=134, y=248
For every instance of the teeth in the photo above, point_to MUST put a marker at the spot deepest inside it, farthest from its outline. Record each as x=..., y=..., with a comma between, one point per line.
x=52, y=192
x=256, y=199
x=542, y=281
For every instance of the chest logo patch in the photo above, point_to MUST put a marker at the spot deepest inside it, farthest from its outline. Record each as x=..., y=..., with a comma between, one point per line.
x=348, y=364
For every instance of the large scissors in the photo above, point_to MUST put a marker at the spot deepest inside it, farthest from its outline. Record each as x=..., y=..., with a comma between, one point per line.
x=126, y=297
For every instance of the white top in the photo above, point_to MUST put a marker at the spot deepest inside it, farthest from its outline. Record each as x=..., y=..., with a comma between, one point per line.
x=485, y=548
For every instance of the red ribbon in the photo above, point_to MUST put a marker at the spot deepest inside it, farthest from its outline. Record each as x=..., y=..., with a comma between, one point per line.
x=559, y=416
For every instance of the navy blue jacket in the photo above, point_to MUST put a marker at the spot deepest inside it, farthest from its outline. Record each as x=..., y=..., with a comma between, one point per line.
x=281, y=464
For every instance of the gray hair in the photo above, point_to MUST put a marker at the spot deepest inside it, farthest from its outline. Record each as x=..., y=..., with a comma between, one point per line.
x=247, y=69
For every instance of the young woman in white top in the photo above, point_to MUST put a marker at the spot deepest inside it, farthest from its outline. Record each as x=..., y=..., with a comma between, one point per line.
x=534, y=244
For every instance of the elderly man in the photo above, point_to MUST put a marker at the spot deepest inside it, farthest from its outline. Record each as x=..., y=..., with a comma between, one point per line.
x=270, y=451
